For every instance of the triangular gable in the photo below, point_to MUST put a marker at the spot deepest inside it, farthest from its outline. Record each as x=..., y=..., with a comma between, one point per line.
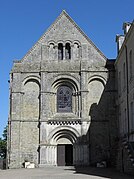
x=64, y=13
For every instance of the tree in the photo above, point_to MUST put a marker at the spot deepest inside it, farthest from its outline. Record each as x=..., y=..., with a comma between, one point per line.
x=5, y=134
x=3, y=144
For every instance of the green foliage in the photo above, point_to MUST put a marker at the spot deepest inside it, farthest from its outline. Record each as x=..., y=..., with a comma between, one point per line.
x=2, y=148
x=5, y=134
x=3, y=144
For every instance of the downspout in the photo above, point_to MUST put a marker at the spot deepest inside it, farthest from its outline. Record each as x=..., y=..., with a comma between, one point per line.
x=127, y=88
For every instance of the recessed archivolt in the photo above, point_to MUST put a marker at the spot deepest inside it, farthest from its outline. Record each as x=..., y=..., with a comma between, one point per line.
x=31, y=78
x=68, y=41
x=63, y=132
x=67, y=81
x=97, y=78
x=77, y=42
x=52, y=42
x=64, y=42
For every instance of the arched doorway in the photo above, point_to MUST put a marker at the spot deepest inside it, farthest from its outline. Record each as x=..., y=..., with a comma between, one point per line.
x=65, y=139
x=64, y=152
x=64, y=148
x=64, y=143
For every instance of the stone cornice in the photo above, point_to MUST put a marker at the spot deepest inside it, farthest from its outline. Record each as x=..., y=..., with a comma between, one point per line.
x=64, y=122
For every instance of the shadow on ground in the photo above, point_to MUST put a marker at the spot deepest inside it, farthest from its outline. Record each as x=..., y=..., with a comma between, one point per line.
x=110, y=173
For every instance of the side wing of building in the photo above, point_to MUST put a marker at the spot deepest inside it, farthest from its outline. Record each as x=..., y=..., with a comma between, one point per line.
x=125, y=82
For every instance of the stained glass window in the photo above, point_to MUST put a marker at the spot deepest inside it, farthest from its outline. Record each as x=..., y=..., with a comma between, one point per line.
x=64, y=99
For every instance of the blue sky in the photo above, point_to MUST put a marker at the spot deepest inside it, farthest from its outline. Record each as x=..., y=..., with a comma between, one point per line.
x=22, y=22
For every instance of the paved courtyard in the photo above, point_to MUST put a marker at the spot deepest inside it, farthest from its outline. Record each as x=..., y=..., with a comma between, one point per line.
x=63, y=173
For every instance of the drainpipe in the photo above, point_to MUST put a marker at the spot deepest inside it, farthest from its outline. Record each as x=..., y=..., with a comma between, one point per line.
x=127, y=88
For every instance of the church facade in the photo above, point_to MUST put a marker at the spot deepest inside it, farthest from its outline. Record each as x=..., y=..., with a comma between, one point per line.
x=62, y=101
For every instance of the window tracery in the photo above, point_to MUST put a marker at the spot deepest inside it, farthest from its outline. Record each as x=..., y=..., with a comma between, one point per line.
x=64, y=99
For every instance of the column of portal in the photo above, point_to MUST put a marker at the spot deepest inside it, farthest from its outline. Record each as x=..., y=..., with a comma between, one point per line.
x=50, y=155
x=78, y=155
x=86, y=154
x=74, y=155
x=82, y=154
x=56, y=155
x=53, y=155
x=47, y=155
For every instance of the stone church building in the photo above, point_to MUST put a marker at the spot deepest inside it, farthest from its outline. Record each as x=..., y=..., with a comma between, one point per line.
x=62, y=101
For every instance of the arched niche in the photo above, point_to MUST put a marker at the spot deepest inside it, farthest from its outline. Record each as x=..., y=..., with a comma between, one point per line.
x=76, y=49
x=95, y=88
x=31, y=99
x=51, y=51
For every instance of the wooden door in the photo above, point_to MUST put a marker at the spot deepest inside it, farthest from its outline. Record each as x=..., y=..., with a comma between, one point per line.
x=61, y=155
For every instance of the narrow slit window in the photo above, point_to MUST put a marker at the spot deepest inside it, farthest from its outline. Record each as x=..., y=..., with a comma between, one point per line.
x=60, y=51
x=68, y=51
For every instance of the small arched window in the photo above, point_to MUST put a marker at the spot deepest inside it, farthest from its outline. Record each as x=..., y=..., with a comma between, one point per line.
x=68, y=51
x=60, y=51
x=64, y=99
x=76, y=50
x=51, y=51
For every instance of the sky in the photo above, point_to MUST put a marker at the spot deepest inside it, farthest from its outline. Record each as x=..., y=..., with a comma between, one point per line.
x=22, y=22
